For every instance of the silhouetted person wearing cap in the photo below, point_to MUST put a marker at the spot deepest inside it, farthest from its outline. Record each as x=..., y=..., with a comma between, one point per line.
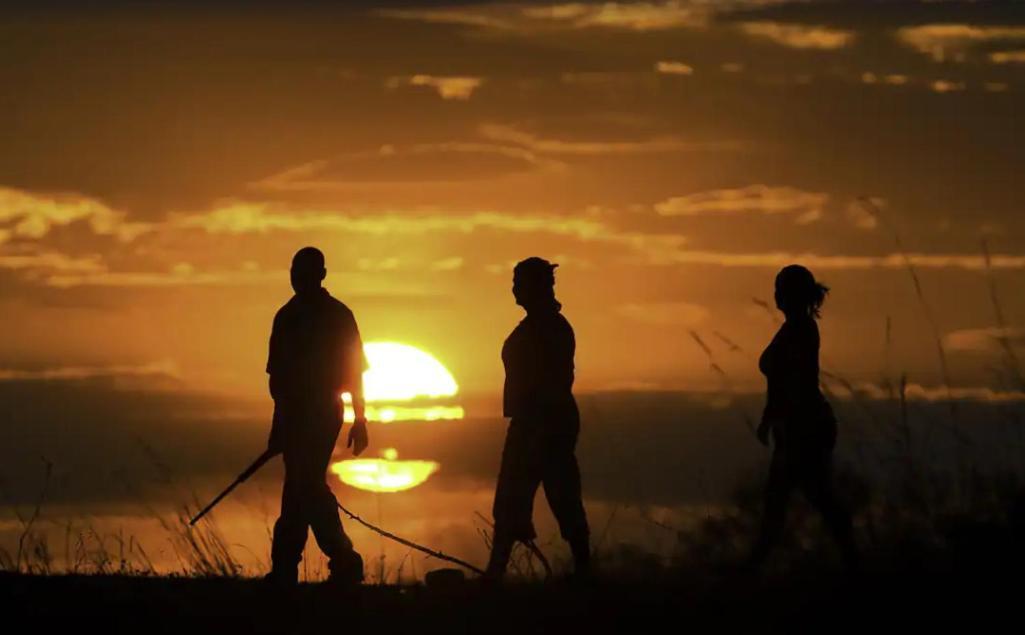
x=315, y=355
x=544, y=423
x=798, y=418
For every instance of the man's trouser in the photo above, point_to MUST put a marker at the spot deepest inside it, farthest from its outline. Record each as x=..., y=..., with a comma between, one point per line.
x=532, y=457
x=307, y=501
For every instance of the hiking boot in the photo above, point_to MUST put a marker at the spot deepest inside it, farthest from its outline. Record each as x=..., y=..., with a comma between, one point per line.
x=279, y=578
x=582, y=570
x=347, y=570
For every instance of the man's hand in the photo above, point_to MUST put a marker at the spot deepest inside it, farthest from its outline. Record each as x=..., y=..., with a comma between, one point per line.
x=358, y=439
x=274, y=446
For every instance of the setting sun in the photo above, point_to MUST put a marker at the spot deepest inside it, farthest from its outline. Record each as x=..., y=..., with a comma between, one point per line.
x=400, y=372
x=412, y=377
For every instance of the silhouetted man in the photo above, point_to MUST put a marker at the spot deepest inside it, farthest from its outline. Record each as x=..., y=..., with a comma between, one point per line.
x=544, y=423
x=315, y=355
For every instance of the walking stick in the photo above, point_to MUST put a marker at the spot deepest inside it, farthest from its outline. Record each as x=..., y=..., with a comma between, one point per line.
x=242, y=478
x=409, y=543
x=269, y=454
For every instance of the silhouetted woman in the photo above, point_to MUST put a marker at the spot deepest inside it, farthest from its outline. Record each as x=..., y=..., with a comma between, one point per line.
x=798, y=417
x=544, y=423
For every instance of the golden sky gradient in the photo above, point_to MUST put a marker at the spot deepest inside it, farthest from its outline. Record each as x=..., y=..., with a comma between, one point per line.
x=160, y=167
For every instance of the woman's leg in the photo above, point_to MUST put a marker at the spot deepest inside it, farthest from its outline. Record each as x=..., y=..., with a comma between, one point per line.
x=518, y=480
x=818, y=488
x=777, y=496
x=561, y=480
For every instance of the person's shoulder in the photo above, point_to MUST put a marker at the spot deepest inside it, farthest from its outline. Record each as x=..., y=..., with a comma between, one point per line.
x=806, y=330
x=337, y=305
x=285, y=310
x=338, y=309
x=563, y=326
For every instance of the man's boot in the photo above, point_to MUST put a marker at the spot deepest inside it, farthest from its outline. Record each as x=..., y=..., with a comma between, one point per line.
x=581, y=549
x=501, y=550
x=346, y=569
x=281, y=577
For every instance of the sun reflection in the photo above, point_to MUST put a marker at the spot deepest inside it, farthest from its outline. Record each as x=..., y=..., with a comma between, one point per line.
x=387, y=414
x=386, y=474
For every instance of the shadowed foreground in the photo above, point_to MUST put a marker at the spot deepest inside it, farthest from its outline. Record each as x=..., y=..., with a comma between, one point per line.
x=727, y=603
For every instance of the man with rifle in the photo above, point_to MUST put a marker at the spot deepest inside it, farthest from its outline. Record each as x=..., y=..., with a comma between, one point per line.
x=316, y=354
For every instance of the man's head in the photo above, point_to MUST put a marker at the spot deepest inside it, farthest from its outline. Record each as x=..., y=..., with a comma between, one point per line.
x=308, y=270
x=534, y=282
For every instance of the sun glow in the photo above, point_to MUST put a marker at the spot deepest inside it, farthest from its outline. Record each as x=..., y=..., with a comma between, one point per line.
x=405, y=383
x=386, y=474
x=399, y=372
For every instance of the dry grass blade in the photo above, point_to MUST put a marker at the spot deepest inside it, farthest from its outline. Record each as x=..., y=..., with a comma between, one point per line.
x=1011, y=362
x=927, y=311
x=718, y=370
x=27, y=524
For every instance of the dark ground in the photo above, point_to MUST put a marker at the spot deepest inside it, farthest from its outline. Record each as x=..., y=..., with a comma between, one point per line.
x=973, y=602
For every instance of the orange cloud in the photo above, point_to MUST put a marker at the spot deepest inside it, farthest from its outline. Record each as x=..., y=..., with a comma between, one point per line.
x=757, y=199
x=983, y=339
x=1007, y=57
x=51, y=261
x=177, y=276
x=918, y=392
x=946, y=41
x=893, y=79
x=799, y=36
x=32, y=216
x=630, y=16
x=448, y=264
x=861, y=217
x=540, y=145
x=458, y=88
x=454, y=161
x=463, y=17
x=165, y=368
x=674, y=68
x=947, y=86
x=634, y=16
x=848, y=262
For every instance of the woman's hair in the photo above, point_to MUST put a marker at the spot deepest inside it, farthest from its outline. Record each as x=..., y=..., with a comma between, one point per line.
x=797, y=290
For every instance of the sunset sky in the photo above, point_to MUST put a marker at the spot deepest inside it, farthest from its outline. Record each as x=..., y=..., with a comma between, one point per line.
x=160, y=167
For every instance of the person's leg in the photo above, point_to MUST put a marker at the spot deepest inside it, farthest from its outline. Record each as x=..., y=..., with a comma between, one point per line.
x=561, y=478
x=817, y=483
x=777, y=495
x=323, y=512
x=291, y=527
x=518, y=480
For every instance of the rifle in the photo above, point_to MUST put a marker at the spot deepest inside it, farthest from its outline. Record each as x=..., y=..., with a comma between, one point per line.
x=242, y=478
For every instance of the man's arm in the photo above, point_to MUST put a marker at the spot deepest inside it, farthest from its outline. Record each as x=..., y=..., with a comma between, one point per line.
x=359, y=404
x=355, y=366
x=359, y=439
x=274, y=386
